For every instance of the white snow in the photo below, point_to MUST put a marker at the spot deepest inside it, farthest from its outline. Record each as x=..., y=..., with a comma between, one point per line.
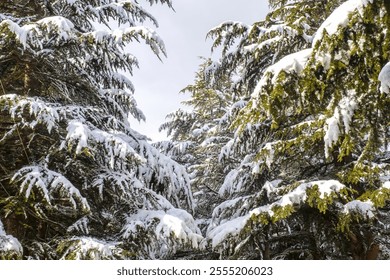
x=58, y=23
x=384, y=78
x=284, y=32
x=80, y=226
x=2, y=231
x=291, y=63
x=226, y=150
x=79, y=132
x=343, y=114
x=8, y=243
x=365, y=208
x=232, y=183
x=347, y=107
x=296, y=197
x=332, y=132
x=149, y=35
x=48, y=182
x=165, y=169
x=29, y=33
x=43, y=112
x=92, y=248
x=271, y=187
x=164, y=224
x=269, y=147
x=229, y=210
x=21, y=32
x=232, y=227
x=117, y=145
x=294, y=62
x=339, y=18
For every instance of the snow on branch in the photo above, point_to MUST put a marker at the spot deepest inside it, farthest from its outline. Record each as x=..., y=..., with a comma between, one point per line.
x=340, y=122
x=122, y=182
x=89, y=248
x=384, y=78
x=80, y=225
x=339, y=18
x=364, y=208
x=163, y=170
x=227, y=33
x=127, y=12
x=36, y=35
x=10, y=247
x=115, y=144
x=292, y=63
x=170, y=227
x=43, y=112
x=48, y=184
x=122, y=102
x=149, y=35
x=316, y=193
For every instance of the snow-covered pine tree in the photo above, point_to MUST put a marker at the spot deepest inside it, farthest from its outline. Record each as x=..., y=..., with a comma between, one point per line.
x=324, y=150
x=197, y=136
x=76, y=182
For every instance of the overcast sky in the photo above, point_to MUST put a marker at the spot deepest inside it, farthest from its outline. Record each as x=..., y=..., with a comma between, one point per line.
x=157, y=84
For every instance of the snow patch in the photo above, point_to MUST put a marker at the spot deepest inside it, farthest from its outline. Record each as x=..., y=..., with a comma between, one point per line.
x=232, y=227
x=339, y=18
x=58, y=22
x=365, y=208
x=48, y=183
x=175, y=222
x=291, y=63
x=92, y=248
x=343, y=114
x=8, y=243
x=332, y=132
x=384, y=78
x=270, y=154
x=296, y=197
x=21, y=32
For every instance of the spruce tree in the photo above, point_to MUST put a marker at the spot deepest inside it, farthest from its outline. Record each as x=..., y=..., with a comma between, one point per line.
x=76, y=182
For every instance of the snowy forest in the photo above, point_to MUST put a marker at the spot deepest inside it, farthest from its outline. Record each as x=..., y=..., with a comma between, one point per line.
x=283, y=152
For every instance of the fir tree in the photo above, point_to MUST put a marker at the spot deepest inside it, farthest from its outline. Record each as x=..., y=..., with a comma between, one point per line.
x=75, y=180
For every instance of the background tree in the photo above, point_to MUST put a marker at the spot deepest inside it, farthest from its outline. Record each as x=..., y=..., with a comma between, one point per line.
x=197, y=137
x=308, y=152
x=75, y=180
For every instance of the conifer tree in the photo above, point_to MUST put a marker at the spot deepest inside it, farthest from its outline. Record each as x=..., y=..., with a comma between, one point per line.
x=197, y=137
x=76, y=182
x=320, y=149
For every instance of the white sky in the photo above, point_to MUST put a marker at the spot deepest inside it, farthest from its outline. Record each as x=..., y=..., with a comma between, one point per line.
x=157, y=84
